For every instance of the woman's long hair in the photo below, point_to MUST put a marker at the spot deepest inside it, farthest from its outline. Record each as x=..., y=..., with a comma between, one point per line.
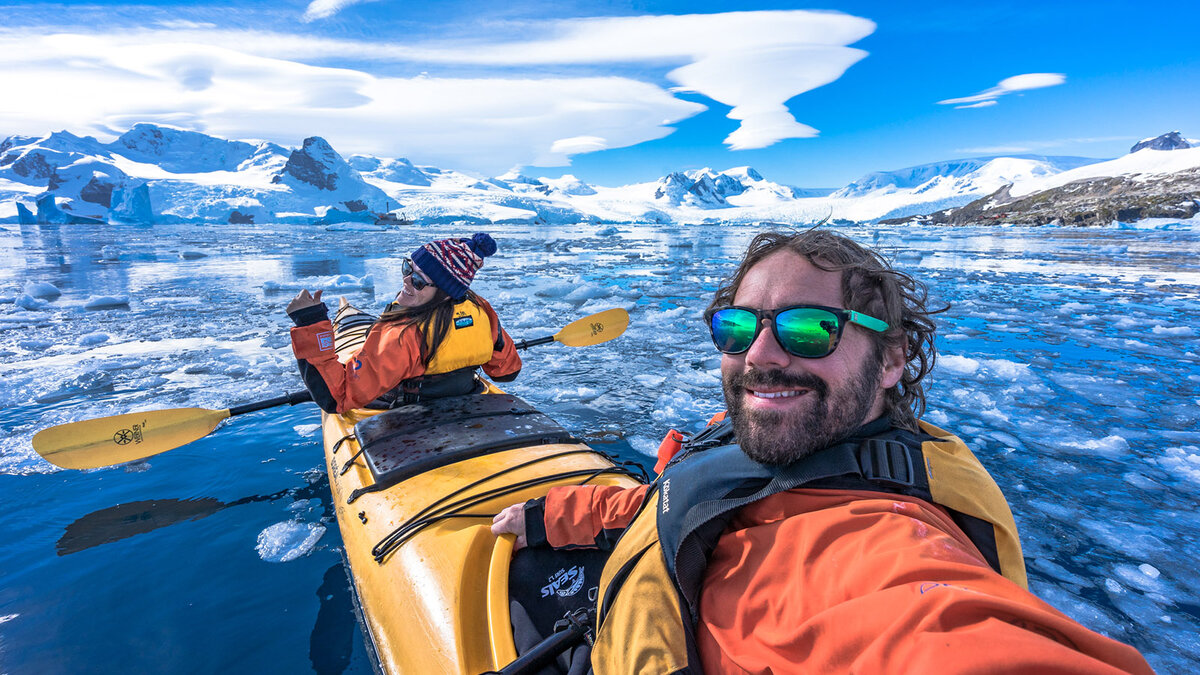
x=433, y=319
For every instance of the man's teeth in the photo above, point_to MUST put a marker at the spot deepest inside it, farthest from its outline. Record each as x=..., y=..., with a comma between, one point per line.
x=776, y=394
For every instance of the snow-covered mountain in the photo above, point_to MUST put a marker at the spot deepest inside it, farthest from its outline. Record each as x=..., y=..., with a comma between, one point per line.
x=1160, y=178
x=158, y=173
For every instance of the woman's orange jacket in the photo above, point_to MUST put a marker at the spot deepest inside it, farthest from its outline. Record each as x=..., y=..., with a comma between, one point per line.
x=846, y=581
x=390, y=355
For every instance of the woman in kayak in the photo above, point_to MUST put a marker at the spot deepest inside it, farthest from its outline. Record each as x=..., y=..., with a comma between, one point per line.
x=427, y=344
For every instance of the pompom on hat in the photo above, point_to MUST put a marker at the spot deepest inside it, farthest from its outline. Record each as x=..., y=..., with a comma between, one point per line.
x=451, y=264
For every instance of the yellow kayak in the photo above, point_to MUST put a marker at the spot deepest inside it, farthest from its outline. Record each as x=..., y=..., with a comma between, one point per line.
x=415, y=489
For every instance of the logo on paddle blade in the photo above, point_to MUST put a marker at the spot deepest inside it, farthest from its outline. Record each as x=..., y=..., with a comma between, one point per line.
x=564, y=582
x=597, y=328
x=127, y=436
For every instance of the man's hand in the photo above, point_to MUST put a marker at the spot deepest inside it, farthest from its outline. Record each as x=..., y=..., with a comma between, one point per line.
x=511, y=521
x=304, y=299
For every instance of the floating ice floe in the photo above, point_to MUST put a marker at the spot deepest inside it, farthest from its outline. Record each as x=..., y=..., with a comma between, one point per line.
x=110, y=254
x=356, y=227
x=958, y=364
x=91, y=339
x=1006, y=370
x=681, y=410
x=306, y=429
x=649, y=381
x=31, y=303
x=301, y=505
x=1172, y=330
x=645, y=446
x=1144, y=576
x=1183, y=461
x=286, y=541
x=938, y=417
x=1110, y=446
x=341, y=282
x=43, y=290
x=579, y=394
x=97, y=302
x=556, y=289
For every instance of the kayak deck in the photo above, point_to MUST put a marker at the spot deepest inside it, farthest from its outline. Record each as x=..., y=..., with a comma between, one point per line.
x=415, y=517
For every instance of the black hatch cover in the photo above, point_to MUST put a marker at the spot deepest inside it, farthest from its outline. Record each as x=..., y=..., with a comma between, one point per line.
x=415, y=438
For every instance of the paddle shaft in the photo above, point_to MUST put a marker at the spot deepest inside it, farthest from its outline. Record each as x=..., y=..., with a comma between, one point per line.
x=292, y=398
x=525, y=344
x=106, y=441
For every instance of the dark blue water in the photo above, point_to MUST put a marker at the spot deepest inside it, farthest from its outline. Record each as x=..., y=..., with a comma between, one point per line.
x=1069, y=363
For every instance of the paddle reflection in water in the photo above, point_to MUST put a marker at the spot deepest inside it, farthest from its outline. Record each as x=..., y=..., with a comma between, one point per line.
x=126, y=520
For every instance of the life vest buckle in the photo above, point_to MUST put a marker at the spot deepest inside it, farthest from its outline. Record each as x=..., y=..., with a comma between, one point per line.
x=886, y=461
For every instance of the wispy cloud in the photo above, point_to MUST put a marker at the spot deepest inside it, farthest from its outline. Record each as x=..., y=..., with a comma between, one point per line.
x=1036, y=146
x=322, y=9
x=1007, y=86
x=246, y=84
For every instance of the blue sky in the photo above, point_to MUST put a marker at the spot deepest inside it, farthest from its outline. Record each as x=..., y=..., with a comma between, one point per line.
x=616, y=92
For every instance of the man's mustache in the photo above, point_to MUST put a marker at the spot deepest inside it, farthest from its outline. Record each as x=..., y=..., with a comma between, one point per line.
x=754, y=379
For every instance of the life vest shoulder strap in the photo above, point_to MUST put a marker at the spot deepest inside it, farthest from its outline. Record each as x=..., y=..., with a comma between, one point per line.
x=701, y=492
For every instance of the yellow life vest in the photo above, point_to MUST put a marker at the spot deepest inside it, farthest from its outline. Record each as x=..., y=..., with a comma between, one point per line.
x=649, y=590
x=468, y=343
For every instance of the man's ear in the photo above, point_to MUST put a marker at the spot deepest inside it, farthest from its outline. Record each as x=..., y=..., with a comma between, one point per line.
x=892, y=368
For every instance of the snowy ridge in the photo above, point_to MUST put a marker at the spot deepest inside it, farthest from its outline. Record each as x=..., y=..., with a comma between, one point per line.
x=156, y=173
x=1142, y=164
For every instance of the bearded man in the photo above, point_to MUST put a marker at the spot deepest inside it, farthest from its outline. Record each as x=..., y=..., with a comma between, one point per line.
x=823, y=528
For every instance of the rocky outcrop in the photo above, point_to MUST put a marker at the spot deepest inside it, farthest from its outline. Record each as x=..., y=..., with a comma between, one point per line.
x=1094, y=201
x=1171, y=141
x=239, y=218
x=315, y=164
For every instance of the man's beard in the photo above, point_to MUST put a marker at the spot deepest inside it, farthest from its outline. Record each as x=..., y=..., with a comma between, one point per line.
x=778, y=438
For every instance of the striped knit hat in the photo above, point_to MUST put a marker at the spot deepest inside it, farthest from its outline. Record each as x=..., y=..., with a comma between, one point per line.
x=451, y=264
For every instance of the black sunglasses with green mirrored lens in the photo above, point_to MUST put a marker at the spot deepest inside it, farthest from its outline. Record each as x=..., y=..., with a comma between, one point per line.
x=806, y=331
x=418, y=281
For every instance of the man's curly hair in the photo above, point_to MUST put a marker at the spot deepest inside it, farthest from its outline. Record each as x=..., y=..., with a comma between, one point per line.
x=869, y=285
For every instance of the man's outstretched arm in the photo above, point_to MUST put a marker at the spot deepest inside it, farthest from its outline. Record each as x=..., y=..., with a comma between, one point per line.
x=577, y=516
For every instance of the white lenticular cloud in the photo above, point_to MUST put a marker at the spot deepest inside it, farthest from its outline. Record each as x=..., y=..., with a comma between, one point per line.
x=1032, y=81
x=578, y=144
x=259, y=85
x=1007, y=86
x=753, y=62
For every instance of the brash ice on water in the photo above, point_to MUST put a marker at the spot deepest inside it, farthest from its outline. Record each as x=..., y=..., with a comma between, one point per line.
x=1068, y=364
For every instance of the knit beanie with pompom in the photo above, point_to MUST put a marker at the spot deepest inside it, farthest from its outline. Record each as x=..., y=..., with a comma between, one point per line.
x=451, y=264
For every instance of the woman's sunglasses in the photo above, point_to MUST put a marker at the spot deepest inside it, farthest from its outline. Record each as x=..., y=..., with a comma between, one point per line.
x=418, y=281
x=806, y=331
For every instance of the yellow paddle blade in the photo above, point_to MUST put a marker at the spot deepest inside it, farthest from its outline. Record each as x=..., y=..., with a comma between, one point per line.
x=594, y=329
x=91, y=444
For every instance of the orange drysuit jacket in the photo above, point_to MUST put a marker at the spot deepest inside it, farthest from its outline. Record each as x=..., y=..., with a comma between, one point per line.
x=390, y=355
x=846, y=581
